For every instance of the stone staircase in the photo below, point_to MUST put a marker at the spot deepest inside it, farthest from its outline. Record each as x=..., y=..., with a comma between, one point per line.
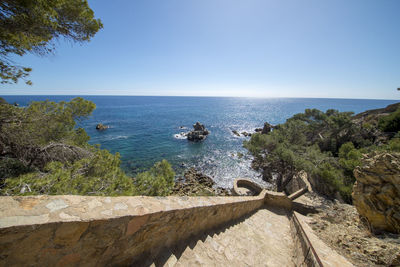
x=260, y=239
x=262, y=230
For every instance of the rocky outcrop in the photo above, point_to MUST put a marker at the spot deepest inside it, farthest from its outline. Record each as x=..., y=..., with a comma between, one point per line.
x=101, y=127
x=199, y=133
x=368, y=121
x=267, y=128
x=236, y=133
x=376, y=193
x=246, y=134
x=195, y=183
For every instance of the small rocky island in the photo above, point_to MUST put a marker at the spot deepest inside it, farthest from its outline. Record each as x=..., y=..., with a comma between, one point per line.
x=102, y=127
x=199, y=133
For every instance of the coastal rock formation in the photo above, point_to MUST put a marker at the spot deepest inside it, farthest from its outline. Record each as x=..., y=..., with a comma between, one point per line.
x=246, y=134
x=236, y=133
x=267, y=128
x=369, y=120
x=376, y=193
x=102, y=127
x=199, y=133
x=195, y=183
x=258, y=130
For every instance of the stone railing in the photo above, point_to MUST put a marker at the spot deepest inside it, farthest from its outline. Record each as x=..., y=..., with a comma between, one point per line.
x=305, y=252
x=82, y=230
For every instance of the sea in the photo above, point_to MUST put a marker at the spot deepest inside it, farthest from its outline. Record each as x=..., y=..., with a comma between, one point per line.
x=146, y=129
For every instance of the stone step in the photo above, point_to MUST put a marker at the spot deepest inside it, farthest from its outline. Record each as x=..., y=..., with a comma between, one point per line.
x=263, y=239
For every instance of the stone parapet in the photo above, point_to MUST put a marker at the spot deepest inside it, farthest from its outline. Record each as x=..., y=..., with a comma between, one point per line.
x=277, y=199
x=88, y=231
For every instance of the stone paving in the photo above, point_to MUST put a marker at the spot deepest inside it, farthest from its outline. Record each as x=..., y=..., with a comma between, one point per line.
x=263, y=239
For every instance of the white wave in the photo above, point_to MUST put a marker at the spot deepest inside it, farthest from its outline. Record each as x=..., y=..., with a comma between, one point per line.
x=118, y=137
x=181, y=135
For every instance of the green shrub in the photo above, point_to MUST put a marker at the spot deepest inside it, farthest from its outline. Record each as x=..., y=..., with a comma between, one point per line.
x=394, y=145
x=158, y=181
x=391, y=122
x=335, y=181
x=311, y=141
x=10, y=167
x=349, y=159
x=99, y=175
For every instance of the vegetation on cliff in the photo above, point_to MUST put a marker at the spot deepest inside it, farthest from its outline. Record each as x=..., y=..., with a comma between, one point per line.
x=43, y=152
x=158, y=181
x=327, y=145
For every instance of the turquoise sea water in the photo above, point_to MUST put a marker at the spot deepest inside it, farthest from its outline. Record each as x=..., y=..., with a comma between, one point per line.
x=143, y=128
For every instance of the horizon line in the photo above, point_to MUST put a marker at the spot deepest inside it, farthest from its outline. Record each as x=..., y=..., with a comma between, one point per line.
x=256, y=97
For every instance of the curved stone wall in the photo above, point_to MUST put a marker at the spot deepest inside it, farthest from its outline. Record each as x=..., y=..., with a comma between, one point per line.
x=82, y=230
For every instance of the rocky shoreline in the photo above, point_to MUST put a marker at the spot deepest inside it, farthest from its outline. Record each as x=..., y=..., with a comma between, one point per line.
x=266, y=129
x=194, y=183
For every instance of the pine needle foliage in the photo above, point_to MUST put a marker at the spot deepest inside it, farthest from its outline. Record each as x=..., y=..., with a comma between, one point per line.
x=34, y=26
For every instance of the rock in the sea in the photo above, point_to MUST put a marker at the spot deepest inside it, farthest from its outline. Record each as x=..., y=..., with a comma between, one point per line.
x=246, y=134
x=267, y=128
x=195, y=136
x=101, y=127
x=235, y=132
x=199, y=127
x=257, y=130
x=199, y=133
x=376, y=193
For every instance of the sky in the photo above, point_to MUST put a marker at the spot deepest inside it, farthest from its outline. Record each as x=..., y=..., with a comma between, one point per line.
x=247, y=48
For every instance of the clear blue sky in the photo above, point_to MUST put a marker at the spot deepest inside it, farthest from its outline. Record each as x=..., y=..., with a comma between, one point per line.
x=255, y=48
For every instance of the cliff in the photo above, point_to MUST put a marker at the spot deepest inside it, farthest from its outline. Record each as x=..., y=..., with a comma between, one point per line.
x=376, y=193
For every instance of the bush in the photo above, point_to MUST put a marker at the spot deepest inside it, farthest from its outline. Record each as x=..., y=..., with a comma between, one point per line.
x=334, y=179
x=349, y=159
x=97, y=175
x=10, y=167
x=390, y=123
x=158, y=181
x=394, y=145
